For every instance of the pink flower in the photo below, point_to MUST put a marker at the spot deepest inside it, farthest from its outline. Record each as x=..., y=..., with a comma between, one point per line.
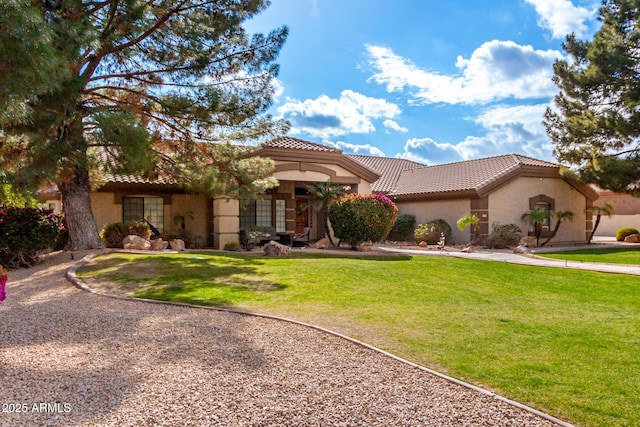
x=4, y=277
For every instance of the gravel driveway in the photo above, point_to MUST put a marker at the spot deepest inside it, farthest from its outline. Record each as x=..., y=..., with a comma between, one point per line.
x=72, y=358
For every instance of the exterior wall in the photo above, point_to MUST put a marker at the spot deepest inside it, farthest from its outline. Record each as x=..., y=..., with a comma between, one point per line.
x=105, y=211
x=449, y=210
x=623, y=204
x=609, y=225
x=199, y=226
x=226, y=222
x=509, y=202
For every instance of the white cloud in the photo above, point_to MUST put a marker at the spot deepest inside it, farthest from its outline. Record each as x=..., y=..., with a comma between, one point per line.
x=496, y=70
x=364, y=149
x=392, y=124
x=325, y=117
x=561, y=17
x=508, y=129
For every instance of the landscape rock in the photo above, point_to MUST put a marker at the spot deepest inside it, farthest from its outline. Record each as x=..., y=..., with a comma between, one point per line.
x=136, y=242
x=364, y=248
x=177, y=245
x=632, y=238
x=274, y=248
x=159, y=245
x=322, y=243
x=422, y=244
x=468, y=249
x=521, y=249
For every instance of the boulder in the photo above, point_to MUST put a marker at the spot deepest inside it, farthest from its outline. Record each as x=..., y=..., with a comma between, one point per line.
x=159, y=245
x=422, y=244
x=177, y=245
x=322, y=243
x=522, y=249
x=468, y=249
x=364, y=248
x=136, y=242
x=632, y=238
x=273, y=248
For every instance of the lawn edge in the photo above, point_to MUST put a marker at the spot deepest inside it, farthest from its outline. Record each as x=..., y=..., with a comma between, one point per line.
x=72, y=277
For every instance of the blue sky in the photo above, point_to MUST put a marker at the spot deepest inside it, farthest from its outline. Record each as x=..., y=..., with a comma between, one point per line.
x=428, y=80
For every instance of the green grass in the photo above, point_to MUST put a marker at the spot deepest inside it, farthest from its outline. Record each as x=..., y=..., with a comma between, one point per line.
x=566, y=342
x=620, y=255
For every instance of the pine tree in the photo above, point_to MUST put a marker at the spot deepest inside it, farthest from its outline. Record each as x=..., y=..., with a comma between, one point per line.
x=96, y=87
x=596, y=126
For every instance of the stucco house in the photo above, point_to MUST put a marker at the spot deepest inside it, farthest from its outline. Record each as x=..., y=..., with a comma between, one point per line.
x=497, y=189
x=626, y=212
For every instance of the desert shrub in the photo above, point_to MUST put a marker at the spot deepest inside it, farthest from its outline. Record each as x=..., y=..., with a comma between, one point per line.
x=503, y=236
x=624, y=232
x=358, y=218
x=24, y=232
x=430, y=231
x=403, y=227
x=232, y=246
x=113, y=234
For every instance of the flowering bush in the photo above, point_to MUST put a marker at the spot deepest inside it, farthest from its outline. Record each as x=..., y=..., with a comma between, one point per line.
x=358, y=218
x=4, y=276
x=26, y=231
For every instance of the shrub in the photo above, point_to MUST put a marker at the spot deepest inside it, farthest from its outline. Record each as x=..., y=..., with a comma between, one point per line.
x=624, y=232
x=430, y=231
x=232, y=246
x=113, y=234
x=26, y=231
x=358, y=218
x=403, y=227
x=503, y=236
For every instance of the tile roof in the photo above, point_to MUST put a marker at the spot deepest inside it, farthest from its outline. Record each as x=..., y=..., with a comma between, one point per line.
x=287, y=142
x=389, y=169
x=130, y=179
x=470, y=175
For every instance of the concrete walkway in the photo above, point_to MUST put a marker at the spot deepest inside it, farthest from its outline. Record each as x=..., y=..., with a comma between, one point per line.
x=534, y=258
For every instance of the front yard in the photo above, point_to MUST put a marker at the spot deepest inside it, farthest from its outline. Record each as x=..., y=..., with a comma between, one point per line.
x=563, y=341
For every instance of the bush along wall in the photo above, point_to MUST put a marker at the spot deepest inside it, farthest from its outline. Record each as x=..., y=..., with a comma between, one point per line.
x=358, y=218
x=26, y=232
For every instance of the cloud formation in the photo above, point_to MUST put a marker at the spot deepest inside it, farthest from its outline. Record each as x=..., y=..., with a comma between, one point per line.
x=508, y=129
x=561, y=17
x=348, y=148
x=326, y=117
x=496, y=70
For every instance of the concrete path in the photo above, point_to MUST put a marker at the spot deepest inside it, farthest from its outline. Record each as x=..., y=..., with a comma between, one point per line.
x=534, y=259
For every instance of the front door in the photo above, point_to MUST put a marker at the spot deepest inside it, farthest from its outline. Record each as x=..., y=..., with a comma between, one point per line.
x=302, y=214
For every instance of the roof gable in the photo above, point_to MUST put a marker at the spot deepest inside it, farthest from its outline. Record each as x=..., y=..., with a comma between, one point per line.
x=388, y=168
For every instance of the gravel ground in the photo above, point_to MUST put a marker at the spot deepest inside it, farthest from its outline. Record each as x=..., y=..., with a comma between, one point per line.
x=72, y=358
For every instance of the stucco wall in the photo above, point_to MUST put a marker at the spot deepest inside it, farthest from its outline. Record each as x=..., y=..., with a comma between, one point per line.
x=609, y=225
x=364, y=187
x=509, y=202
x=198, y=205
x=449, y=210
x=105, y=211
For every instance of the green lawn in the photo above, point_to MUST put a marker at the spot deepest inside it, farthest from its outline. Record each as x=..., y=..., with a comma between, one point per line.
x=565, y=342
x=619, y=255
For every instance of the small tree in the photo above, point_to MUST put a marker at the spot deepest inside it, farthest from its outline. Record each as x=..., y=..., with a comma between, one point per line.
x=607, y=209
x=429, y=232
x=561, y=216
x=535, y=217
x=473, y=221
x=322, y=197
x=358, y=218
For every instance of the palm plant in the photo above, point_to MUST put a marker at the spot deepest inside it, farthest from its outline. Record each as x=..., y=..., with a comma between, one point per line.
x=322, y=196
x=607, y=209
x=561, y=216
x=535, y=217
x=470, y=220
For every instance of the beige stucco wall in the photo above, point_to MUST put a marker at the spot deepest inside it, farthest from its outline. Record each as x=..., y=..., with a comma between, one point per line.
x=509, y=202
x=609, y=225
x=197, y=204
x=105, y=211
x=364, y=187
x=449, y=210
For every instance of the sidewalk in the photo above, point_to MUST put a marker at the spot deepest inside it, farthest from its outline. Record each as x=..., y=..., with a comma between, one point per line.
x=530, y=259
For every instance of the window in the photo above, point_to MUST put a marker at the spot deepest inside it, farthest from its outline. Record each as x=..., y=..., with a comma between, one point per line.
x=140, y=208
x=261, y=213
x=546, y=208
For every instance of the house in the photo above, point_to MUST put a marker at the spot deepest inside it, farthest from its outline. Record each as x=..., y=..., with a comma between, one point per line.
x=626, y=212
x=497, y=189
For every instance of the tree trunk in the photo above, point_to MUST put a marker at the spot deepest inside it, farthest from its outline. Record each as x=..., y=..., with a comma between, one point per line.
x=83, y=231
x=553, y=234
x=324, y=215
x=595, y=227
